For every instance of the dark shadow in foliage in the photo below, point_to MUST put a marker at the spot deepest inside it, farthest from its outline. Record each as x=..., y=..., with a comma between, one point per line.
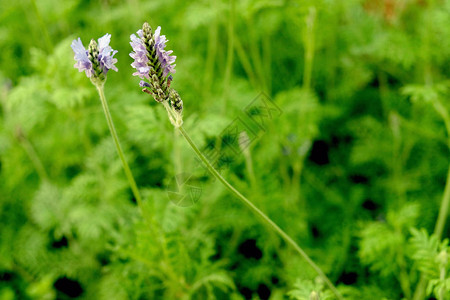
x=348, y=278
x=13, y=281
x=104, y=258
x=131, y=197
x=72, y=171
x=146, y=177
x=250, y=250
x=390, y=81
x=367, y=102
x=319, y=153
x=246, y=292
x=371, y=208
x=68, y=287
x=369, y=205
x=263, y=291
x=358, y=179
x=315, y=231
x=61, y=243
x=338, y=141
x=218, y=255
x=6, y=276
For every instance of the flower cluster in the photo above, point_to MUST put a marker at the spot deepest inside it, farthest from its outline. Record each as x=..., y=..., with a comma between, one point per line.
x=149, y=53
x=151, y=61
x=97, y=60
x=154, y=65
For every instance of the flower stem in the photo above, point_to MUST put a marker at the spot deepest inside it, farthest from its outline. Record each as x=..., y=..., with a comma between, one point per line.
x=445, y=203
x=43, y=27
x=32, y=154
x=259, y=213
x=309, y=47
x=112, y=129
x=438, y=229
x=443, y=210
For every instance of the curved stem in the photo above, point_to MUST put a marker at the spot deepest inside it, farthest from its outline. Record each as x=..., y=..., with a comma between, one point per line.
x=32, y=154
x=445, y=203
x=43, y=27
x=443, y=210
x=442, y=111
x=309, y=47
x=259, y=213
x=112, y=129
x=438, y=229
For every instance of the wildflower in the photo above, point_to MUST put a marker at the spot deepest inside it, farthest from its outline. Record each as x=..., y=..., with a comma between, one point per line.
x=151, y=61
x=97, y=60
x=154, y=65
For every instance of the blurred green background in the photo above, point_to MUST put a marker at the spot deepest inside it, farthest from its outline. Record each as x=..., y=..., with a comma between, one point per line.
x=354, y=168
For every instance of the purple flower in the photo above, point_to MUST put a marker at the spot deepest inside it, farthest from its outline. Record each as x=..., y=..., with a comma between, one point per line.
x=141, y=61
x=81, y=56
x=143, y=53
x=164, y=56
x=104, y=59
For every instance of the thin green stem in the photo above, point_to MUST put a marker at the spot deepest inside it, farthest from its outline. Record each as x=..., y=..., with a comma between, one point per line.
x=242, y=55
x=255, y=52
x=211, y=55
x=42, y=26
x=442, y=275
x=309, y=47
x=445, y=203
x=230, y=52
x=267, y=59
x=442, y=111
x=259, y=213
x=112, y=129
x=438, y=229
x=32, y=154
x=178, y=166
x=250, y=170
x=443, y=210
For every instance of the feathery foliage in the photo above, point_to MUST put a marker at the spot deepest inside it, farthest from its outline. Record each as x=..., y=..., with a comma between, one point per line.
x=352, y=164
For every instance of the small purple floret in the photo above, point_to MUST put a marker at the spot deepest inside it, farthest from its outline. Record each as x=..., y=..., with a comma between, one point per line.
x=106, y=54
x=144, y=84
x=81, y=56
x=164, y=57
x=140, y=56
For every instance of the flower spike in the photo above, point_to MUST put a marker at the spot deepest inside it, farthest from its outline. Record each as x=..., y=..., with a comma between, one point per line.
x=151, y=61
x=154, y=65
